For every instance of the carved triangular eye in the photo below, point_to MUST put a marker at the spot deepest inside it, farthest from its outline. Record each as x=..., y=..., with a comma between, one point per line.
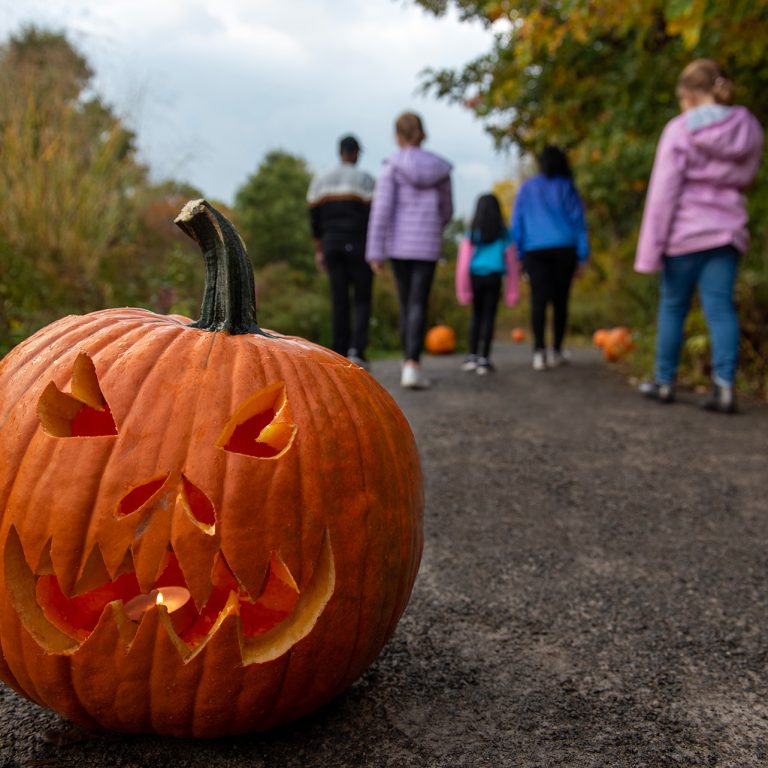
x=261, y=426
x=82, y=413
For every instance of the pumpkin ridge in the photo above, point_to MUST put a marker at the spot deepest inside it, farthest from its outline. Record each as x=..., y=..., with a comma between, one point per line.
x=229, y=458
x=94, y=335
x=353, y=647
x=38, y=344
x=303, y=397
x=405, y=575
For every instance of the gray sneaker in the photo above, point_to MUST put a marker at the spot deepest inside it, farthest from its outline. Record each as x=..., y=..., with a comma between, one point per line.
x=654, y=390
x=484, y=367
x=721, y=399
x=558, y=357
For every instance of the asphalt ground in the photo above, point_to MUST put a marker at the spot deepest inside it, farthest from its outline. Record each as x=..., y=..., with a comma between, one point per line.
x=592, y=593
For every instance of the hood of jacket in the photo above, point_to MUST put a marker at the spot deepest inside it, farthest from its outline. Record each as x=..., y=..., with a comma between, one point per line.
x=419, y=167
x=723, y=133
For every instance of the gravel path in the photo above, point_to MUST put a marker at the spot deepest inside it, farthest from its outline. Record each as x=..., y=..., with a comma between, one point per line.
x=593, y=593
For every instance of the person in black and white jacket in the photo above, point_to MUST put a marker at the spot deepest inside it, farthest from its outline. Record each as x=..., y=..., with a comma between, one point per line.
x=339, y=204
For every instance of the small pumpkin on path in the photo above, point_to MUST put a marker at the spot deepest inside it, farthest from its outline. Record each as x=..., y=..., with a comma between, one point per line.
x=440, y=340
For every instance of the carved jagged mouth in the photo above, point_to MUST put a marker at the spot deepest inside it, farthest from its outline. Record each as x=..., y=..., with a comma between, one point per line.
x=270, y=624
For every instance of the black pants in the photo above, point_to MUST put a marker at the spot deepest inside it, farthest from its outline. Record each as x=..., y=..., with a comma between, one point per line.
x=550, y=272
x=486, y=290
x=414, y=282
x=349, y=270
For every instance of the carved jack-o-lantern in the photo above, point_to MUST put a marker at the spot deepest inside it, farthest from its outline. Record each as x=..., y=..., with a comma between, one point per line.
x=205, y=528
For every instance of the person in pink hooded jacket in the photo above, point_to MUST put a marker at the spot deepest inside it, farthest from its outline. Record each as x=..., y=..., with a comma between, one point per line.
x=694, y=225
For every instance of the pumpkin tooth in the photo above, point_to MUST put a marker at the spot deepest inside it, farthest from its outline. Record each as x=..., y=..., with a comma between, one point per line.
x=195, y=548
x=188, y=653
x=44, y=563
x=93, y=573
x=150, y=548
x=126, y=565
x=197, y=579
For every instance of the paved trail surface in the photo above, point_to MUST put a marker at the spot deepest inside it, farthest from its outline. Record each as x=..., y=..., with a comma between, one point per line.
x=593, y=593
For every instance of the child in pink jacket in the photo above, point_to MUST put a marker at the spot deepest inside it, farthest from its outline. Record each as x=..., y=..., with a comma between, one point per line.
x=694, y=226
x=486, y=254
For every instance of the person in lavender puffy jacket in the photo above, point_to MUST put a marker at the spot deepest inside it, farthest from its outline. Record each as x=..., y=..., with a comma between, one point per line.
x=694, y=225
x=412, y=204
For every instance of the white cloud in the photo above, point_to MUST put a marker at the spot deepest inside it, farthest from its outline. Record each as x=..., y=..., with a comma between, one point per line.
x=210, y=88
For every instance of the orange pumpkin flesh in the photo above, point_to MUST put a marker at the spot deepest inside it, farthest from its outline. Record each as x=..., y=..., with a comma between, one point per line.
x=275, y=481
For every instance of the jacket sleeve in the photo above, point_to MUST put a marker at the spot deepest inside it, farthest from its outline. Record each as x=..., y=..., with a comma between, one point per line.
x=445, y=201
x=315, y=209
x=512, y=280
x=575, y=211
x=463, y=282
x=517, y=224
x=661, y=202
x=381, y=216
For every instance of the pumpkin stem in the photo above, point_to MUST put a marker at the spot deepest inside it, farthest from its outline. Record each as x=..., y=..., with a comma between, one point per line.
x=229, y=301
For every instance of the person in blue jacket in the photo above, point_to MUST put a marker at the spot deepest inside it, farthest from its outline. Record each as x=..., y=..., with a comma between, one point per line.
x=550, y=233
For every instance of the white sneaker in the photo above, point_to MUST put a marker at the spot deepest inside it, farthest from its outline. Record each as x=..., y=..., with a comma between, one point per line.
x=412, y=377
x=539, y=361
x=470, y=363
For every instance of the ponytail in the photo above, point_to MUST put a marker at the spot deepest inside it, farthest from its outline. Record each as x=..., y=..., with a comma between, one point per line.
x=705, y=76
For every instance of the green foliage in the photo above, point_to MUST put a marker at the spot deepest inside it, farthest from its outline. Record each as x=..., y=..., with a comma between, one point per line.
x=294, y=302
x=598, y=78
x=76, y=224
x=271, y=213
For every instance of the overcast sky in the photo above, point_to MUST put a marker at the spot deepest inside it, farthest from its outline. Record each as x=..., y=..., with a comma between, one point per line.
x=210, y=87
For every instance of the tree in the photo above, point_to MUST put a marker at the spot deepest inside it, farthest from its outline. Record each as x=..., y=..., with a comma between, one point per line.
x=69, y=182
x=598, y=78
x=271, y=212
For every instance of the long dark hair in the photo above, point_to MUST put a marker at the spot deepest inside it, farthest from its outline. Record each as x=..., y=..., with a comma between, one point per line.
x=553, y=162
x=488, y=223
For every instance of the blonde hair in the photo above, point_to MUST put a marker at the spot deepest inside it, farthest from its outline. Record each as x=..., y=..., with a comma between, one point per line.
x=410, y=128
x=705, y=76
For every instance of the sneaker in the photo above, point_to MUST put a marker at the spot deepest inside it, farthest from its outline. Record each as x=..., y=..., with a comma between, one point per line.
x=358, y=359
x=721, y=399
x=470, y=363
x=484, y=367
x=412, y=377
x=654, y=390
x=539, y=361
x=558, y=357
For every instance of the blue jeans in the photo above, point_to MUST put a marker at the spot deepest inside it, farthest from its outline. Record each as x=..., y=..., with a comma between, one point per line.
x=714, y=271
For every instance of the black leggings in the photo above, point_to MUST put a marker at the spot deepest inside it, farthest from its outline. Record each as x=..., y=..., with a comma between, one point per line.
x=486, y=290
x=349, y=270
x=414, y=281
x=550, y=271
